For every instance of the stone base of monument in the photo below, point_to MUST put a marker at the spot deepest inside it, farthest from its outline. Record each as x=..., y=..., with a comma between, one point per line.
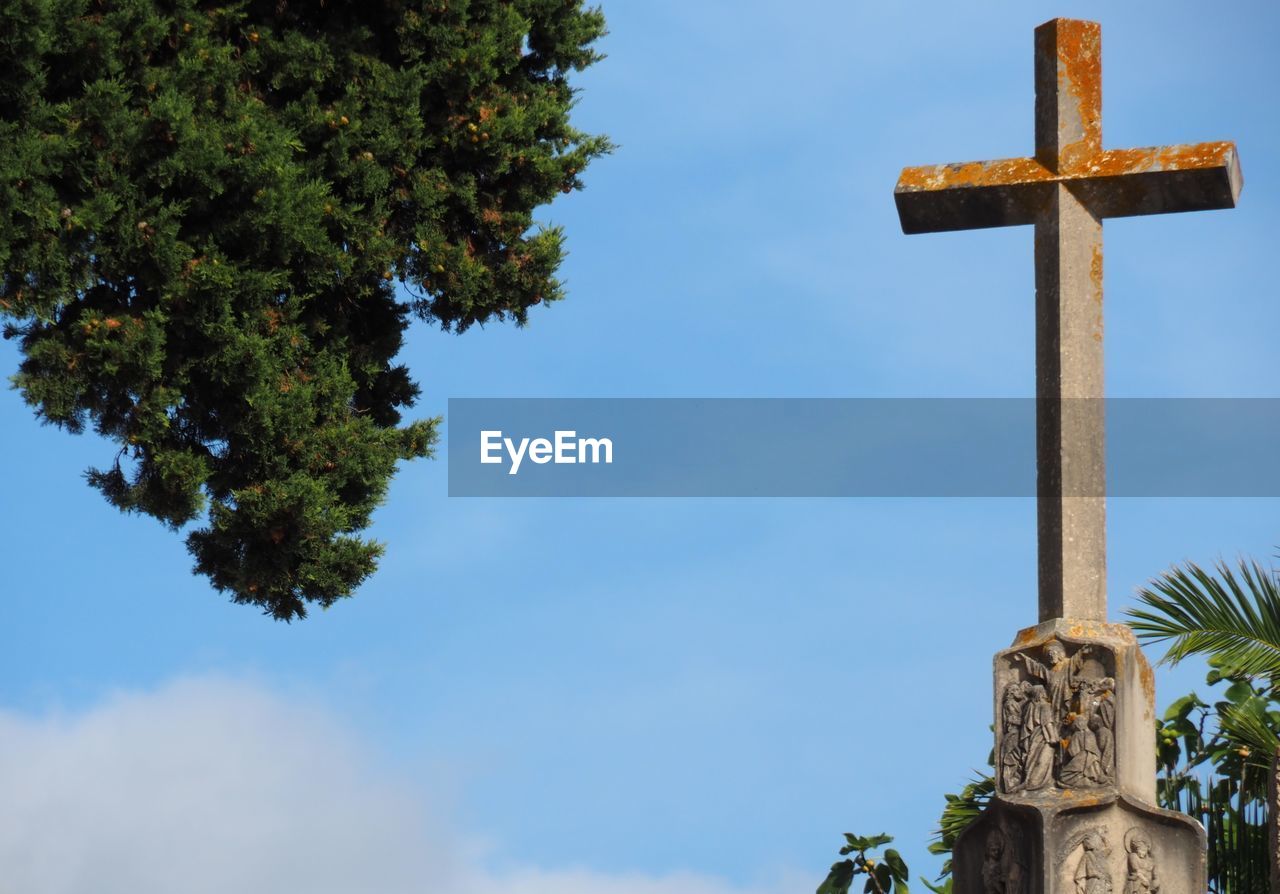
x=1075, y=773
x=1091, y=846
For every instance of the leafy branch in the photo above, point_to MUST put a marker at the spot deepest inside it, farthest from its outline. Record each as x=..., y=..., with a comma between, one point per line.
x=887, y=875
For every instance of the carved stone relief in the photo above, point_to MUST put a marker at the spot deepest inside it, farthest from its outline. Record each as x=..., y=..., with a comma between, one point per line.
x=1091, y=870
x=1057, y=722
x=1140, y=877
x=1004, y=868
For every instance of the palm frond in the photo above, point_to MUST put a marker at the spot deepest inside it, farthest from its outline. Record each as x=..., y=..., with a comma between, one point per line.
x=1232, y=615
x=960, y=812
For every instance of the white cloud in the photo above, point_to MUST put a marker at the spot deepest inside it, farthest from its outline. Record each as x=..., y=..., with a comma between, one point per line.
x=213, y=785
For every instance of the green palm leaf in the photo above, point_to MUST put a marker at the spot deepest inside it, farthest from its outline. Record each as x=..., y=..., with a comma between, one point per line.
x=1233, y=615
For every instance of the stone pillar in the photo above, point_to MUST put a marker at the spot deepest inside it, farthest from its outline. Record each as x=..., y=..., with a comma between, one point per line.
x=1074, y=810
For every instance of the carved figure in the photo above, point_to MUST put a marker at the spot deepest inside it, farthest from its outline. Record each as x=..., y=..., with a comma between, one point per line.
x=1012, y=708
x=1080, y=766
x=1001, y=871
x=1058, y=673
x=1092, y=875
x=1103, y=724
x=1141, y=877
x=1039, y=733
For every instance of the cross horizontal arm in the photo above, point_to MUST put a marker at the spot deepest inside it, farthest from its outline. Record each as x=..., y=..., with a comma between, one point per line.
x=972, y=195
x=1165, y=179
x=1115, y=183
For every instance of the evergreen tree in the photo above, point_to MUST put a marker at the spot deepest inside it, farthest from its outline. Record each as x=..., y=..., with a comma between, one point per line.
x=205, y=210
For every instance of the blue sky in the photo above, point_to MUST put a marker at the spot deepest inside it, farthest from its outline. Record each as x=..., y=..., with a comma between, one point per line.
x=656, y=696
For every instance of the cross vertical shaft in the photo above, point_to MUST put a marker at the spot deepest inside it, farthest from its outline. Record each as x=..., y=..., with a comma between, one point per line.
x=1070, y=437
x=1065, y=190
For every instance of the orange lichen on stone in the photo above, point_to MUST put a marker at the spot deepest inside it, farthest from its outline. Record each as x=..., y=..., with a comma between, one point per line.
x=967, y=175
x=1118, y=162
x=1080, y=72
x=1026, y=636
x=1024, y=171
x=1148, y=680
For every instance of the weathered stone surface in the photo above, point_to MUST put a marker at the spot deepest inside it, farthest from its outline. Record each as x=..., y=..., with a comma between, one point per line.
x=1075, y=774
x=1111, y=845
x=1071, y=462
x=1118, y=183
x=1066, y=189
x=1096, y=715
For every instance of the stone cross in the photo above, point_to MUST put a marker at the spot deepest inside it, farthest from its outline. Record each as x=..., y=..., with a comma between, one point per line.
x=1065, y=190
x=1074, y=807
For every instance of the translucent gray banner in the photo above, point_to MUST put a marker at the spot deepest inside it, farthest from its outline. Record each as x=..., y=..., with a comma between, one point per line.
x=845, y=447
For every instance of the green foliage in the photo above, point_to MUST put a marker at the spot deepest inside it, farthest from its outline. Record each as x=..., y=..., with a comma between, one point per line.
x=960, y=810
x=1232, y=616
x=1236, y=737
x=205, y=208
x=1237, y=860
x=1209, y=772
x=888, y=875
